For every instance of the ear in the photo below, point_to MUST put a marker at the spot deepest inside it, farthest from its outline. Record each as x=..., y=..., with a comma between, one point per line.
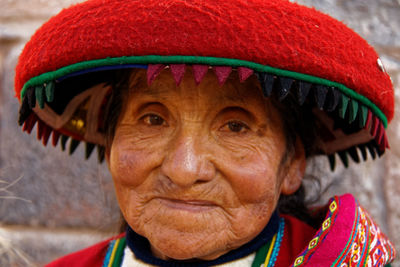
x=295, y=170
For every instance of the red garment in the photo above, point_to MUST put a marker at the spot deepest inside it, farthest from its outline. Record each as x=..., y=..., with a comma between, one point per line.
x=295, y=237
x=92, y=256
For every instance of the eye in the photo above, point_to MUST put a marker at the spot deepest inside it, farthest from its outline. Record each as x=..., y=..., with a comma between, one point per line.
x=235, y=127
x=153, y=120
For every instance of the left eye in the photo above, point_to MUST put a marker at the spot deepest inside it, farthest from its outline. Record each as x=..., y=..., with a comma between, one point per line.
x=153, y=120
x=236, y=126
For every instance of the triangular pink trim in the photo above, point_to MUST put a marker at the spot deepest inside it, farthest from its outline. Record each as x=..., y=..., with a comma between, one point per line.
x=178, y=71
x=222, y=73
x=244, y=73
x=153, y=71
x=199, y=71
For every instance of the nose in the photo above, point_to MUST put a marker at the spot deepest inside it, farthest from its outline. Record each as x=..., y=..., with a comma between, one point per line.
x=187, y=162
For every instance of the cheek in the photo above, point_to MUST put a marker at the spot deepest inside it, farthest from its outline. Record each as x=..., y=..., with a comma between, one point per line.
x=131, y=169
x=129, y=164
x=253, y=174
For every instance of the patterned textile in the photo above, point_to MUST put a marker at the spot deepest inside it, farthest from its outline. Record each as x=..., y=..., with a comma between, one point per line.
x=368, y=247
x=348, y=237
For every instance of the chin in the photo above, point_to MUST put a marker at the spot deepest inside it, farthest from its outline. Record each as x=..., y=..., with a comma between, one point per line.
x=187, y=248
x=186, y=237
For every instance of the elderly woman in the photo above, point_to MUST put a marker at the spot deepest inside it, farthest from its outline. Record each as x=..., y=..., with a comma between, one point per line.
x=206, y=112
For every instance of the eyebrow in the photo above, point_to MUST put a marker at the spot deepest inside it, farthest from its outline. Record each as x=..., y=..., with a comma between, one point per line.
x=148, y=91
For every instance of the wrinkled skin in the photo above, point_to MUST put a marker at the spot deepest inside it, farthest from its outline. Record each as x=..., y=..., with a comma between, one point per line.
x=198, y=169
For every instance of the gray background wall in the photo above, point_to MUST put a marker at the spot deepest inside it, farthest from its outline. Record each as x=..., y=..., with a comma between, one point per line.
x=51, y=203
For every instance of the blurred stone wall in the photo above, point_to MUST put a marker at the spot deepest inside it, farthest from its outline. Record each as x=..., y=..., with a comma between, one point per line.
x=52, y=203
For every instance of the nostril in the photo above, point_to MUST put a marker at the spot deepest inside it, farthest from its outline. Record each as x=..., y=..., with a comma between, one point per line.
x=199, y=171
x=200, y=181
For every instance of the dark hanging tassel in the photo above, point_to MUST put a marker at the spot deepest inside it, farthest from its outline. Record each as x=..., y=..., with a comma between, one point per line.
x=30, y=93
x=344, y=102
x=363, y=116
x=55, y=137
x=284, y=90
x=89, y=147
x=344, y=158
x=100, y=153
x=332, y=100
x=39, y=93
x=302, y=92
x=332, y=161
x=320, y=93
x=363, y=150
x=378, y=151
x=354, y=154
x=46, y=134
x=267, y=83
x=353, y=110
x=30, y=123
x=24, y=111
x=371, y=150
x=40, y=128
x=73, y=145
x=50, y=91
x=64, y=139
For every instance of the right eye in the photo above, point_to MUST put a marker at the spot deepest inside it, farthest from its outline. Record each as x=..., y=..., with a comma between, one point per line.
x=153, y=120
x=235, y=127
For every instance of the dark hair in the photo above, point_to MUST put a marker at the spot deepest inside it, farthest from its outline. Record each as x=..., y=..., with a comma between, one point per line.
x=298, y=121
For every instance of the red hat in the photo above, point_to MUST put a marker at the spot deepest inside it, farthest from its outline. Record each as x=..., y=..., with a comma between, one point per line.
x=288, y=46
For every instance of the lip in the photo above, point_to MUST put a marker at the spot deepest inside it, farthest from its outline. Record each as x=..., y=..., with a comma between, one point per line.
x=192, y=205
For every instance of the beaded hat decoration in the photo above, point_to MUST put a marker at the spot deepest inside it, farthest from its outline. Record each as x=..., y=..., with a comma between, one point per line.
x=62, y=76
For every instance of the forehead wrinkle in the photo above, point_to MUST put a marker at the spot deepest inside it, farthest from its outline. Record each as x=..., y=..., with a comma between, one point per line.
x=152, y=91
x=231, y=99
x=232, y=94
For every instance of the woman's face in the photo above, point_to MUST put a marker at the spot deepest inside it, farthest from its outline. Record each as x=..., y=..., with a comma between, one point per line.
x=198, y=169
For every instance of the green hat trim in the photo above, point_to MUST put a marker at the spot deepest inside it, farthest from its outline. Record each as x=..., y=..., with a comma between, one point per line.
x=49, y=77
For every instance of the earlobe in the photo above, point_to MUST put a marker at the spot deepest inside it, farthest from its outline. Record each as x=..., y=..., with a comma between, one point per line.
x=294, y=176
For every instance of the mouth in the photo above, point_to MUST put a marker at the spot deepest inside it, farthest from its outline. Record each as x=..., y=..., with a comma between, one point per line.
x=188, y=205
